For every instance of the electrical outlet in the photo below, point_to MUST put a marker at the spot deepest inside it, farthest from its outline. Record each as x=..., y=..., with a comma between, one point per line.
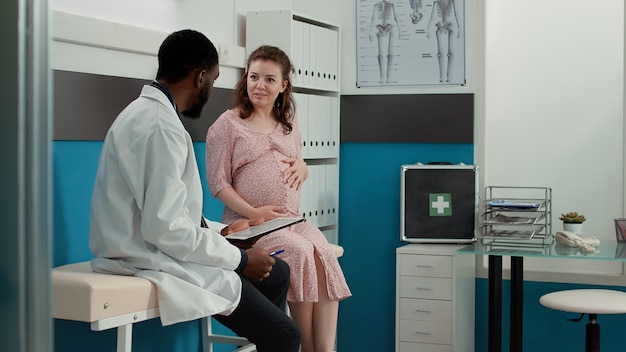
x=231, y=55
x=224, y=54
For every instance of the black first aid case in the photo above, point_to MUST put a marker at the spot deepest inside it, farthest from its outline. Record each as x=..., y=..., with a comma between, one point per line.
x=439, y=203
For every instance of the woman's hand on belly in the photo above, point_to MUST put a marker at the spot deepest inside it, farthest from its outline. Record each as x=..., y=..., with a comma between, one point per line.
x=296, y=173
x=270, y=212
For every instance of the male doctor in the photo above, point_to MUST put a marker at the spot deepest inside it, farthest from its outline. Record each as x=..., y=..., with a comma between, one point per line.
x=146, y=210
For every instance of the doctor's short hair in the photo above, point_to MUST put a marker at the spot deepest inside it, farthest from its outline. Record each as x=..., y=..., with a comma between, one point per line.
x=184, y=52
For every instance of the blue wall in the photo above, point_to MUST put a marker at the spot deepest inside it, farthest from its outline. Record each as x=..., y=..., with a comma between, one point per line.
x=74, y=167
x=545, y=329
x=369, y=231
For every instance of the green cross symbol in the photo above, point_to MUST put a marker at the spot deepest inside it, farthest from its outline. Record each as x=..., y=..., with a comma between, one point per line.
x=440, y=204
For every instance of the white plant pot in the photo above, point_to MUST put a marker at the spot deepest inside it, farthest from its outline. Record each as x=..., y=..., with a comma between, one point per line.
x=573, y=227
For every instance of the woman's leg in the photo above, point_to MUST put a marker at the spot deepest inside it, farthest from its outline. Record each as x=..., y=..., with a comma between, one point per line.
x=317, y=320
x=302, y=315
x=325, y=313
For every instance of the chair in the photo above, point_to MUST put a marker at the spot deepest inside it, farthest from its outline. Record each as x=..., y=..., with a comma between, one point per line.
x=117, y=301
x=587, y=301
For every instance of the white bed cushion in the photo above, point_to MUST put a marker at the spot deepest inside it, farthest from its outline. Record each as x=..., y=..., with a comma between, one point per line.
x=338, y=250
x=80, y=294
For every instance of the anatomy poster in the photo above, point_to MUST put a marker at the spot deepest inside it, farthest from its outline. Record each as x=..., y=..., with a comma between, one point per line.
x=410, y=42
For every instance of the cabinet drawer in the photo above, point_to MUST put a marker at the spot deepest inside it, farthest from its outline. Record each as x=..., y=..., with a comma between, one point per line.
x=425, y=287
x=423, y=347
x=425, y=265
x=425, y=332
x=425, y=310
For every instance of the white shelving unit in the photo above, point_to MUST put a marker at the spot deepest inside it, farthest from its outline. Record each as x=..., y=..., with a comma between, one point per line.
x=313, y=47
x=434, y=299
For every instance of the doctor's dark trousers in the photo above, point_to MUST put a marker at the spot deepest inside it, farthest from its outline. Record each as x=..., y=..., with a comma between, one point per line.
x=260, y=316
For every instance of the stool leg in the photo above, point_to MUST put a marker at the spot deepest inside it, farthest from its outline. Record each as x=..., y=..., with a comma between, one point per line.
x=592, y=336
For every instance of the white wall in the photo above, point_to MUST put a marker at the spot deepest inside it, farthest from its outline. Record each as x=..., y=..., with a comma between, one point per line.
x=548, y=79
x=147, y=22
x=140, y=21
x=554, y=109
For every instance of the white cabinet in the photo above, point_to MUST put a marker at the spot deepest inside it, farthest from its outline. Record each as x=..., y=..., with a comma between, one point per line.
x=313, y=47
x=434, y=299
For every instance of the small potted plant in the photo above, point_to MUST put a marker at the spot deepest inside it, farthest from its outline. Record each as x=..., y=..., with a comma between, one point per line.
x=573, y=222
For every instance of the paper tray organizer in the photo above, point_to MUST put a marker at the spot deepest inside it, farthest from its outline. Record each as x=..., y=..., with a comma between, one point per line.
x=516, y=213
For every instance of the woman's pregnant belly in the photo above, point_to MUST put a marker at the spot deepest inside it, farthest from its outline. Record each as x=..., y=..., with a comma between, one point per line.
x=262, y=183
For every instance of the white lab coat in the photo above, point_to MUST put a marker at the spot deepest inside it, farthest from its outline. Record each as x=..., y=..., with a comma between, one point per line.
x=145, y=214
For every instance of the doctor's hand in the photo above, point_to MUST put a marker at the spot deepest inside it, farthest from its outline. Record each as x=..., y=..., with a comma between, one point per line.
x=259, y=264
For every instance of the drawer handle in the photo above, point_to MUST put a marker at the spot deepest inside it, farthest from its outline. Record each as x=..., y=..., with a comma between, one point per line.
x=423, y=333
x=424, y=310
x=429, y=266
x=424, y=288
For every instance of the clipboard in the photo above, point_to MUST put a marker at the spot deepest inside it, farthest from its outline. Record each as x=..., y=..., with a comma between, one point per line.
x=262, y=229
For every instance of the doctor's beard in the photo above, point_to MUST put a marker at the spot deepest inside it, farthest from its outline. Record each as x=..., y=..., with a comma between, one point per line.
x=195, y=110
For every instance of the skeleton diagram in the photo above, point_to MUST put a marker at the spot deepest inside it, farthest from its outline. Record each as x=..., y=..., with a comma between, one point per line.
x=443, y=18
x=385, y=27
x=416, y=15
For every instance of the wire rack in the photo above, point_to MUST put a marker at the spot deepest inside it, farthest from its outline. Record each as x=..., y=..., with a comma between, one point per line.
x=516, y=216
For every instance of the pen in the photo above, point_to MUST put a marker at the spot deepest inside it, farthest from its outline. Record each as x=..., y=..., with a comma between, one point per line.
x=276, y=252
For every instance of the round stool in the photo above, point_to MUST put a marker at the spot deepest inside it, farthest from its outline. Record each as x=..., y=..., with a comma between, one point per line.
x=587, y=301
